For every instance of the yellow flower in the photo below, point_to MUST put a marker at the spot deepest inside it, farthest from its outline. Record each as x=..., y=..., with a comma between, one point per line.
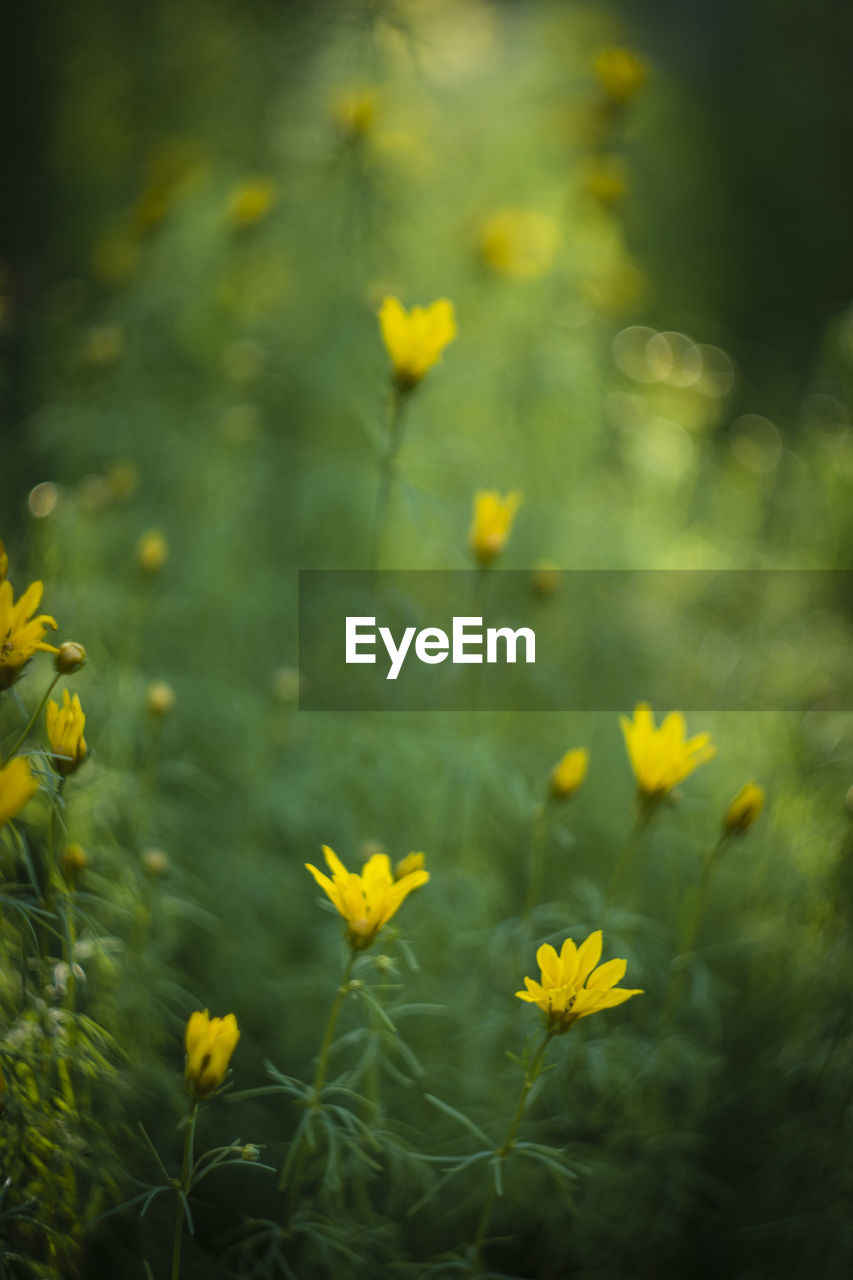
x=4, y=562
x=249, y=203
x=354, y=112
x=210, y=1043
x=571, y=986
x=411, y=862
x=661, y=758
x=65, y=733
x=604, y=179
x=20, y=633
x=159, y=698
x=621, y=73
x=415, y=339
x=744, y=810
x=519, y=243
x=569, y=774
x=17, y=785
x=152, y=551
x=367, y=901
x=492, y=523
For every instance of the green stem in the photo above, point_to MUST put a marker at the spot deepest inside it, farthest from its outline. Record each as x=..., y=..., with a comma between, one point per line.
x=399, y=397
x=642, y=820
x=691, y=923
x=536, y=856
x=184, y=1186
x=531, y=1075
x=294, y=1167
x=23, y=736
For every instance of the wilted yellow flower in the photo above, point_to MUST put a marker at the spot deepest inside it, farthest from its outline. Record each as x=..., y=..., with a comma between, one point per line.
x=520, y=243
x=569, y=774
x=744, y=809
x=17, y=784
x=70, y=657
x=159, y=698
x=621, y=73
x=65, y=733
x=492, y=523
x=411, y=862
x=354, y=112
x=571, y=986
x=415, y=339
x=661, y=758
x=367, y=901
x=250, y=202
x=152, y=551
x=210, y=1043
x=21, y=634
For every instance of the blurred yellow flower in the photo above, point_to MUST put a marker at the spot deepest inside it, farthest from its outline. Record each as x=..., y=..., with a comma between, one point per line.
x=621, y=73
x=21, y=634
x=4, y=562
x=411, y=862
x=744, y=810
x=520, y=243
x=492, y=523
x=354, y=112
x=17, y=784
x=545, y=578
x=152, y=551
x=603, y=177
x=367, y=901
x=249, y=203
x=210, y=1042
x=570, y=773
x=571, y=986
x=415, y=339
x=159, y=698
x=65, y=733
x=661, y=758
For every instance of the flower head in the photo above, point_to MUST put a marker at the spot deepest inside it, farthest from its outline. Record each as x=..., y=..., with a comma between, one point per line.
x=210, y=1042
x=65, y=733
x=492, y=523
x=744, y=810
x=571, y=986
x=17, y=784
x=70, y=657
x=21, y=634
x=661, y=758
x=152, y=551
x=621, y=73
x=367, y=901
x=569, y=774
x=249, y=203
x=415, y=339
x=519, y=243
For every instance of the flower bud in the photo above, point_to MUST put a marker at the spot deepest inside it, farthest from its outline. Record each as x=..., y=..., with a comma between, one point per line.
x=156, y=863
x=210, y=1042
x=250, y=1152
x=74, y=861
x=152, y=552
x=160, y=698
x=70, y=657
x=743, y=810
x=545, y=578
x=569, y=774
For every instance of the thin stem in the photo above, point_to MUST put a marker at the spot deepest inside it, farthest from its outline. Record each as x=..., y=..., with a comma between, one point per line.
x=642, y=820
x=184, y=1186
x=23, y=736
x=691, y=923
x=531, y=1075
x=536, y=855
x=295, y=1168
x=399, y=398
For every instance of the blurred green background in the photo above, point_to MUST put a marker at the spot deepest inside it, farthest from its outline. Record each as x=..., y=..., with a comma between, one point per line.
x=205, y=205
